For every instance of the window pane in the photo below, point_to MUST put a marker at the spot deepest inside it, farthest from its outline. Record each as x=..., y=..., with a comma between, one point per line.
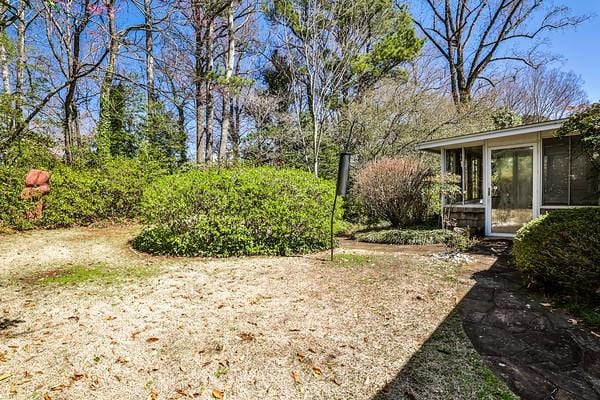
x=512, y=188
x=473, y=175
x=585, y=182
x=555, y=171
x=454, y=166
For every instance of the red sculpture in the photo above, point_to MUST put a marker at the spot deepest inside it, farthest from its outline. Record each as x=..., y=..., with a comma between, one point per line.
x=37, y=184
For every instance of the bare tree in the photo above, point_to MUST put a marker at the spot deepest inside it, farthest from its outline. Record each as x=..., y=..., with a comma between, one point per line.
x=229, y=66
x=542, y=94
x=65, y=32
x=4, y=8
x=20, y=64
x=474, y=35
x=203, y=19
x=149, y=26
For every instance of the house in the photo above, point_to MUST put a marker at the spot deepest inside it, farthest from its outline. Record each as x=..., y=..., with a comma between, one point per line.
x=510, y=176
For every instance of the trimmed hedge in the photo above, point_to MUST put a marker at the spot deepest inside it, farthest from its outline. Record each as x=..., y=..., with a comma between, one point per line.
x=13, y=209
x=79, y=196
x=413, y=237
x=234, y=212
x=561, y=250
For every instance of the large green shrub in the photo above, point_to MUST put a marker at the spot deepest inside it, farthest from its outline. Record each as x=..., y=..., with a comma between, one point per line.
x=79, y=196
x=241, y=211
x=561, y=250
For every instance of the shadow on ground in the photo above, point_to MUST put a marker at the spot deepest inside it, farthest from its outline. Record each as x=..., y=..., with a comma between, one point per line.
x=537, y=351
x=6, y=323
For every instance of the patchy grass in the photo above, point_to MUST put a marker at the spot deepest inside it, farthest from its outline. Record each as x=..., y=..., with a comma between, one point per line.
x=447, y=367
x=361, y=260
x=101, y=273
x=274, y=327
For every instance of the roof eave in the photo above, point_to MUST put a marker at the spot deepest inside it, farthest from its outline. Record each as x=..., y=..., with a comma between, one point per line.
x=437, y=144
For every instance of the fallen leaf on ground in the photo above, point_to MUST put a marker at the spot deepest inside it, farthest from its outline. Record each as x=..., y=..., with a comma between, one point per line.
x=300, y=356
x=296, y=377
x=246, y=336
x=135, y=334
x=152, y=340
x=153, y=395
x=47, y=397
x=76, y=377
x=2, y=356
x=59, y=388
x=24, y=381
x=218, y=394
x=317, y=370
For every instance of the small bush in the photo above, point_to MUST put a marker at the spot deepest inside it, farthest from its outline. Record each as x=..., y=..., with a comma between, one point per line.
x=414, y=237
x=242, y=211
x=395, y=190
x=561, y=250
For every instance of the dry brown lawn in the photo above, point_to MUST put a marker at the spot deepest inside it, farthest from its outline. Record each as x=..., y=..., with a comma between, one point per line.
x=82, y=316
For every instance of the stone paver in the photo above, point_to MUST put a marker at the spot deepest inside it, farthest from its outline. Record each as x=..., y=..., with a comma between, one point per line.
x=532, y=347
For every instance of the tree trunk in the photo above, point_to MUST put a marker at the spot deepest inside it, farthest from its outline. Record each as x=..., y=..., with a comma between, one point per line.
x=105, y=106
x=199, y=82
x=70, y=124
x=208, y=133
x=20, y=65
x=148, y=20
x=225, y=123
x=235, y=130
x=4, y=66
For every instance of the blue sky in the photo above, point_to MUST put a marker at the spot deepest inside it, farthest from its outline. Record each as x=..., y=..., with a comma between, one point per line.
x=580, y=47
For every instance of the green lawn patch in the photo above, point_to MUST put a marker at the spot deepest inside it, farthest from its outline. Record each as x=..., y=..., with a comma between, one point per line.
x=448, y=367
x=357, y=260
x=96, y=273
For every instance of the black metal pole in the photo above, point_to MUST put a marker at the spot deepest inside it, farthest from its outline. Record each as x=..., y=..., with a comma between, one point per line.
x=340, y=188
x=331, y=231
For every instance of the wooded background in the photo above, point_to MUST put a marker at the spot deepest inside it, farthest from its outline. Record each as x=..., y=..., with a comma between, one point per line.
x=282, y=82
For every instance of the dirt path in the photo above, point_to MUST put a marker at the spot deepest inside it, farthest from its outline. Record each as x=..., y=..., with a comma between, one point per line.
x=78, y=320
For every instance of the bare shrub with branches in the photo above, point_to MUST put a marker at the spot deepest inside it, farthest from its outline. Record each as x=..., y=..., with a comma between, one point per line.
x=394, y=190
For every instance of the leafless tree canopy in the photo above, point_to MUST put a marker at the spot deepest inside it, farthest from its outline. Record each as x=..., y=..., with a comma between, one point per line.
x=542, y=94
x=473, y=36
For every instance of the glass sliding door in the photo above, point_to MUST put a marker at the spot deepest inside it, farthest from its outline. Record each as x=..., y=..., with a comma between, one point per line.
x=511, y=179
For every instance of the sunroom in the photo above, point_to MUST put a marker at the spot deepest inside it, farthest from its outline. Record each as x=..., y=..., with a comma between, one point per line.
x=508, y=177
